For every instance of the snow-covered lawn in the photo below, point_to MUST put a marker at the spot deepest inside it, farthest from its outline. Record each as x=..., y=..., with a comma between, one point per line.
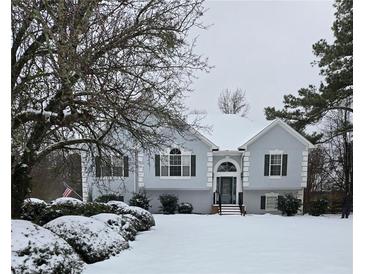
x=234, y=244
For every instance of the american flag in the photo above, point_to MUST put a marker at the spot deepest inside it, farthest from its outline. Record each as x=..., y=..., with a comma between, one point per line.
x=67, y=192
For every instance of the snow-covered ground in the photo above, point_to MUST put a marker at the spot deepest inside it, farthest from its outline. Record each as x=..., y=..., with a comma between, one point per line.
x=233, y=244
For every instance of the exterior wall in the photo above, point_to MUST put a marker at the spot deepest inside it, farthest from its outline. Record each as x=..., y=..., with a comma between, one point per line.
x=198, y=182
x=252, y=200
x=275, y=139
x=200, y=199
x=94, y=187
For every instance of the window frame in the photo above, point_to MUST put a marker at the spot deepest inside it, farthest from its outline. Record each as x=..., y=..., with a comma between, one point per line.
x=281, y=165
x=271, y=195
x=167, y=154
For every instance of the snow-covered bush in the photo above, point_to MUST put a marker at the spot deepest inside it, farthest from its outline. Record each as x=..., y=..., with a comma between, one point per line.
x=92, y=240
x=129, y=228
x=141, y=200
x=144, y=216
x=114, y=221
x=119, y=207
x=289, y=204
x=123, y=225
x=168, y=203
x=67, y=201
x=35, y=249
x=33, y=209
x=185, y=208
x=318, y=207
x=109, y=197
x=90, y=209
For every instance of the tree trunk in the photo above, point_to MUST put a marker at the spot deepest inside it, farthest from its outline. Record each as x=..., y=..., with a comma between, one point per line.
x=20, y=187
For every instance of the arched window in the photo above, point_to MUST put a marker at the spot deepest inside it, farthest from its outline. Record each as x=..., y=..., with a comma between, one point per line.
x=175, y=151
x=175, y=163
x=227, y=167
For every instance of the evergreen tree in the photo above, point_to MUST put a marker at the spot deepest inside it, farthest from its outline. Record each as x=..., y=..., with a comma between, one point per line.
x=336, y=91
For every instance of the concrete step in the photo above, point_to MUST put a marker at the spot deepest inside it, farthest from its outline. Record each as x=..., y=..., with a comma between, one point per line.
x=230, y=210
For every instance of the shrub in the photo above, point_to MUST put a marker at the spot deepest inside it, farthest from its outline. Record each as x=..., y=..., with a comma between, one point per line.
x=37, y=250
x=91, y=239
x=168, y=203
x=141, y=200
x=119, y=207
x=33, y=209
x=67, y=201
x=109, y=197
x=289, y=205
x=318, y=207
x=145, y=217
x=185, y=208
x=89, y=209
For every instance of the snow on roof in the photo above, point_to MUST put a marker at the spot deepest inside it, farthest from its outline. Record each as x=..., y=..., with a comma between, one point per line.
x=229, y=131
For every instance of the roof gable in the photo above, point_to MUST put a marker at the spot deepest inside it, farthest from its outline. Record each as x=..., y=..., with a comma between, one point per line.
x=285, y=126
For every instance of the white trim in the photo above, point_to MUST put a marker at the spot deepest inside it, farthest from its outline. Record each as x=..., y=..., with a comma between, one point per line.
x=227, y=159
x=227, y=153
x=271, y=194
x=275, y=177
x=285, y=126
x=183, y=152
x=245, y=168
x=174, y=177
x=276, y=152
x=303, y=184
x=246, y=184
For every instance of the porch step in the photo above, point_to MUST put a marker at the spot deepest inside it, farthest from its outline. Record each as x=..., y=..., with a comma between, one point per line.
x=230, y=210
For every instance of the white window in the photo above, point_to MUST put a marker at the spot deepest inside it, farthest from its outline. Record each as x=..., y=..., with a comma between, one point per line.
x=275, y=165
x=271, y=201
x=175, y=164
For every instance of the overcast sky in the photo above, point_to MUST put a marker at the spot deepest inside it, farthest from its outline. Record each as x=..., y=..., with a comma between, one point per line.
x=263, y=47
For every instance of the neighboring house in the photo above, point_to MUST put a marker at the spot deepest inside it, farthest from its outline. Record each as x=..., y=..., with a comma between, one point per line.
x=258, y=168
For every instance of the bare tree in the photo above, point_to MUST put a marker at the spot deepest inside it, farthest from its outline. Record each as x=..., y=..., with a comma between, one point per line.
x=233, y=102
x=96, y=75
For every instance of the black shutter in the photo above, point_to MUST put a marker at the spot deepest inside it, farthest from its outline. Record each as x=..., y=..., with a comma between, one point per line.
x=97, y=167
x=284, y=167
x=126, y=166
x=157, y=165
x=193, y=165
x=263, y=202
x=280, y=197
x=267, y=162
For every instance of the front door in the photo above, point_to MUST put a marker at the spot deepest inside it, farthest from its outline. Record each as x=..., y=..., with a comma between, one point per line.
x=228, y=190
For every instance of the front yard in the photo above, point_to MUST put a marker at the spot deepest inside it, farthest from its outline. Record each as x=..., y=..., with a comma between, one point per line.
x=234, y=244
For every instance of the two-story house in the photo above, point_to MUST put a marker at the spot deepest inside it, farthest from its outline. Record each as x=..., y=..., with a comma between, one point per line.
x=229, y=167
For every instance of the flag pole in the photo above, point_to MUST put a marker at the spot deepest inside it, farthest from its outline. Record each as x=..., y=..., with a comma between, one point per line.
x=66, y=185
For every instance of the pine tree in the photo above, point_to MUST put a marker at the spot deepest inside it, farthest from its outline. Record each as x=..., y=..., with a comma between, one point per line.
x=336, y=91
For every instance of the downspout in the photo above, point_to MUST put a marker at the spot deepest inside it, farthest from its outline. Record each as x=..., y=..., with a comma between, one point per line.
x=135, y=177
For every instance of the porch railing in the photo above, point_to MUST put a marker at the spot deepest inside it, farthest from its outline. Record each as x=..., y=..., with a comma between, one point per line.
x=217, y=198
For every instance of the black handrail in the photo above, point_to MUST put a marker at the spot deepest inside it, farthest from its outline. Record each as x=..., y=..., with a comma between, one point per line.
x=220, y=203
x=240, y=202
